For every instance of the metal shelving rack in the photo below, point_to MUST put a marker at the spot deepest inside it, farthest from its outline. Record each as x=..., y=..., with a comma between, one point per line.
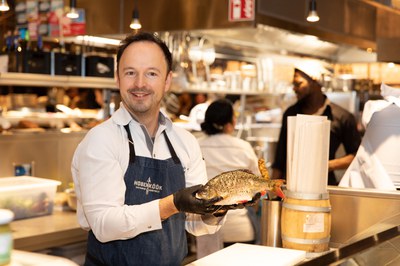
x=43, y=80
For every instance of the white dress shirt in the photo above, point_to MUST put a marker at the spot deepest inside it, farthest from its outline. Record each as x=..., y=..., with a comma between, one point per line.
x=223, y=152
x=99, y=165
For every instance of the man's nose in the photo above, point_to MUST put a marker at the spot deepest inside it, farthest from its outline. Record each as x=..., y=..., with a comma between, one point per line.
x=140, y=81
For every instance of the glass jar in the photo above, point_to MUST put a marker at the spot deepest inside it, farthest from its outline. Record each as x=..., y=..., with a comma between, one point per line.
x=6, y=240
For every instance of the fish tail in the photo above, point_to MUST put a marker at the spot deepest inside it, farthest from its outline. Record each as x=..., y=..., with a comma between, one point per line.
x=277, y=188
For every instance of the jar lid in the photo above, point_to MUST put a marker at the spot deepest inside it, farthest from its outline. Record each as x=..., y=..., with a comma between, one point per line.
x=6, y=216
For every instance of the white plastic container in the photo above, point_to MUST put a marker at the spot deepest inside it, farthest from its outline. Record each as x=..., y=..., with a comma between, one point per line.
x=27, y=196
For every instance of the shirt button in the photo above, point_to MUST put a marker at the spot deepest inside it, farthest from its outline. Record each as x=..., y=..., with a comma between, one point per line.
x=149, y=227
x=154, y=155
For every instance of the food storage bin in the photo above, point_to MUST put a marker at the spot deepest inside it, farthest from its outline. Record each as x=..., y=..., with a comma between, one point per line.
x=27, y=196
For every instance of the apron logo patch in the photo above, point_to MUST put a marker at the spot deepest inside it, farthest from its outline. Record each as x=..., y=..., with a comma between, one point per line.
x=148, y=186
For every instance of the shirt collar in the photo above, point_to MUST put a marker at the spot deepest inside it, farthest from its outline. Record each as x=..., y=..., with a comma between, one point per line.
x=123, y=117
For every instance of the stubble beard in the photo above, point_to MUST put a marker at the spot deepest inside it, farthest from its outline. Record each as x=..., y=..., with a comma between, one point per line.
x=140, y=108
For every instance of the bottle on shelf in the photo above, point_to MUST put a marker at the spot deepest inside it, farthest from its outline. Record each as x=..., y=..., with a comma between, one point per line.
x=12, y=50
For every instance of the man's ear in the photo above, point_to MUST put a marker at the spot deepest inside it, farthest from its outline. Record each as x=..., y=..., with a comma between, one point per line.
x=168, y=82
x=116, y=78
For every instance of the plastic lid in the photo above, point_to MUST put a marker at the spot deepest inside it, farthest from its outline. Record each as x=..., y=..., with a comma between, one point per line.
x=6, y=216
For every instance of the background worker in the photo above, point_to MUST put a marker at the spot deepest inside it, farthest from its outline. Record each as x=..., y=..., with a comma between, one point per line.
x=224, y=152
x=311, y=101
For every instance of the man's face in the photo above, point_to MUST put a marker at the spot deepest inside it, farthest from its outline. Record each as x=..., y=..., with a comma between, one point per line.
x=142, y=78
x=301, y=85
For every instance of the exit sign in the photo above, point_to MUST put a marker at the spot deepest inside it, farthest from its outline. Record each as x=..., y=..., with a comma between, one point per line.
x=241, y=10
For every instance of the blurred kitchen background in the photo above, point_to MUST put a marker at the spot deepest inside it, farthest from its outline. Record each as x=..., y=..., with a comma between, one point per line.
x=57, y=76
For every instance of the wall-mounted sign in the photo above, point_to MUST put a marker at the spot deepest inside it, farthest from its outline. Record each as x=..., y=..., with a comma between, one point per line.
x=61, y=25
x=241, y=10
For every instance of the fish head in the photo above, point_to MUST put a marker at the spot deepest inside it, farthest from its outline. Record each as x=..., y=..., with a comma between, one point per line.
x=206, y=193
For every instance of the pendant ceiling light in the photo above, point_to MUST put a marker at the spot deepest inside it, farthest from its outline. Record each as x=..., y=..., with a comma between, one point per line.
x=312, y=14
x=73, y=13
x=135, y=22
x=4, y=6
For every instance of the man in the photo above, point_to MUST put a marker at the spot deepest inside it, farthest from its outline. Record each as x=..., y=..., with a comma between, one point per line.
x=130, y=172
x=311, y=101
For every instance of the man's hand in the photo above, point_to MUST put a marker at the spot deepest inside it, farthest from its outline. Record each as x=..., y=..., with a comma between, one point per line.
x=254, y=200
x=185, y=201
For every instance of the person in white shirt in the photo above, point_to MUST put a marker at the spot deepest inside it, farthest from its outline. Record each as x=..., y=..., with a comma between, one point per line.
x=224, y=152
x=136, y=174
x=376, y=164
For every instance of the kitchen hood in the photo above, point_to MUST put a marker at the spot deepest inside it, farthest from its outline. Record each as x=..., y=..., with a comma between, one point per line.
x=346, y=30
x=267, y=39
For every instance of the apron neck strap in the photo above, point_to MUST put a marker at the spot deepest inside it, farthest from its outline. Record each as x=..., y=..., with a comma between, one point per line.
x=171, y=149
x=132, y=154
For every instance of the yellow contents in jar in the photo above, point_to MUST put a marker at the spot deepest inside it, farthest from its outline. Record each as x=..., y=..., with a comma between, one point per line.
x=6, y=240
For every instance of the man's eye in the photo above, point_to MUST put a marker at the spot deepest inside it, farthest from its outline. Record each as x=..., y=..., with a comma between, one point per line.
x=152, y=74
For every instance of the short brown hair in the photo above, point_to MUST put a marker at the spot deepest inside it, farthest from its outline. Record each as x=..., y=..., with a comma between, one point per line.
x=145, y=37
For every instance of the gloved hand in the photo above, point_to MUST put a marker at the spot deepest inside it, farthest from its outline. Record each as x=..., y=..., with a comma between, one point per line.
x=253, y=202
x=185, y=201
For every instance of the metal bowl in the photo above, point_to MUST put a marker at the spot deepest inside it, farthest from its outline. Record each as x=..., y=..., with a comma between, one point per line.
x=71, y=198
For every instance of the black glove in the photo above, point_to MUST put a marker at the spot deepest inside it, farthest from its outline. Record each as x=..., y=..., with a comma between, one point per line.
x=185, y=201
x=253, y=202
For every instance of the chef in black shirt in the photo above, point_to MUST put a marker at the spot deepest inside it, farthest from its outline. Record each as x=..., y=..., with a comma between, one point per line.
x=312, y=101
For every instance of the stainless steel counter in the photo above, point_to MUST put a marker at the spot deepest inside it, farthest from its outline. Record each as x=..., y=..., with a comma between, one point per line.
x=60, y=228
x=358, y=213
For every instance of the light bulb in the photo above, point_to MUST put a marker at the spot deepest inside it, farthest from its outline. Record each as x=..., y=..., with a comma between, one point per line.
x=313, y=16
x=4, y=6
x=73, y=14
x=135, y=22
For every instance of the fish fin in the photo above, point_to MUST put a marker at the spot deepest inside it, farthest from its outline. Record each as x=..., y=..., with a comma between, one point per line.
x=263, y=169
x=237, y=170
x=278, y=191
x=277, y=188
x=246, y=171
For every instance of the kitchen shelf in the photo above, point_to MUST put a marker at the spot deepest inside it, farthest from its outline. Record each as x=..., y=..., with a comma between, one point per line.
x=222, y=91
x=43, y=80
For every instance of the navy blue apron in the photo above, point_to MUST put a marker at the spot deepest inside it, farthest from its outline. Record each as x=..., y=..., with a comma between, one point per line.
x=146, y=179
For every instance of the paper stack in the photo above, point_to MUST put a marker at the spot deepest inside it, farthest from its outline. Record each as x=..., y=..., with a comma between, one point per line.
x=307, y=153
